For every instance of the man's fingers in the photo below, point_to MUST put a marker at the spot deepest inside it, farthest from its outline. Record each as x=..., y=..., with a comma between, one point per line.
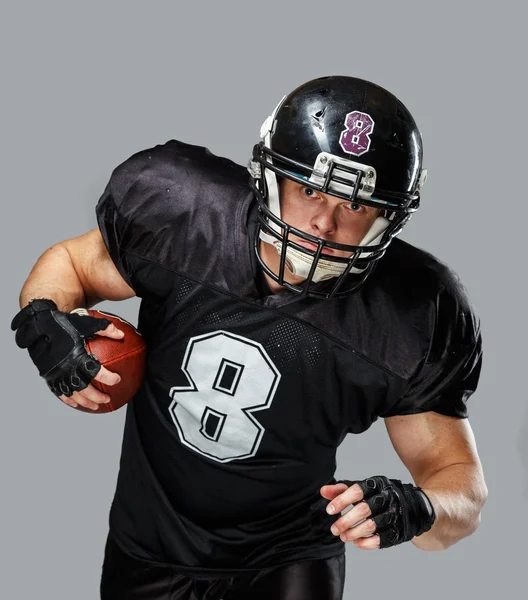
x=90, y=398
x=331, y=491
x=344, y=497
x=111, y=331
x=92, y=394
x=365, y=529
x=67, y=400
x=354, y=516
x=80, y=400
x=107, y=377
x=368, y=543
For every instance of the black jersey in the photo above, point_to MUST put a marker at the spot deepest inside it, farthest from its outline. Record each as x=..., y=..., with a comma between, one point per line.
x=248, y=394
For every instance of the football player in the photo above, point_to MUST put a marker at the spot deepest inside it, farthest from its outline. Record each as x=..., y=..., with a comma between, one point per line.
x=281, y=313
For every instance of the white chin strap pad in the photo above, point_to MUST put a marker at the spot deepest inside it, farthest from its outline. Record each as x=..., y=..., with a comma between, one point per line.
x=373, y=237
x=273, y=196
x=273, y=205
x=300, y=264
x=375, y=232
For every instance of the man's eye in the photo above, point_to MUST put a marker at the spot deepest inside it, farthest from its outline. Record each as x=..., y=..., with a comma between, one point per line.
x=355, y=207
x=308, y=192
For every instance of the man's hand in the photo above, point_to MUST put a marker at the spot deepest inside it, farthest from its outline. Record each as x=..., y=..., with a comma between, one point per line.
x=384, y=511
x=56, y=343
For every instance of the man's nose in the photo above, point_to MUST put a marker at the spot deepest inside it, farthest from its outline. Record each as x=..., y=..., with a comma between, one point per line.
x=324, y=221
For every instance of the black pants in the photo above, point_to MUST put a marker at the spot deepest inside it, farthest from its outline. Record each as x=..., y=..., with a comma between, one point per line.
x=126, y=578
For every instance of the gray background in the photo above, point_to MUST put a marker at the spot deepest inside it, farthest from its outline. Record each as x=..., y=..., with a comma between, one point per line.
x=84, y=85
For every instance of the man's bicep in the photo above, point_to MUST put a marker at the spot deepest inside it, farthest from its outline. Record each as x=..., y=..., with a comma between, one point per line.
x=429, y=442
x=95, y=269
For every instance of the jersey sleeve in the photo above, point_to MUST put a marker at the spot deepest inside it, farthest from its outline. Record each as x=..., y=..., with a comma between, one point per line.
x=137, y=218
x=165, y=206
x=450, y=372
x=112, y=226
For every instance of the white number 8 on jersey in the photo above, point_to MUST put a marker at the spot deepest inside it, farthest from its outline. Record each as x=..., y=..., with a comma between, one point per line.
x=230, y=377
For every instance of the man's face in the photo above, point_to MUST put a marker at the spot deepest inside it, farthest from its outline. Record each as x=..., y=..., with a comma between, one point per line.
x=321, y=215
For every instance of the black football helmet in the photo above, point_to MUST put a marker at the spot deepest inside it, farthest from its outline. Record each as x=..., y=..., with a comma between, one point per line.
x=349, y=138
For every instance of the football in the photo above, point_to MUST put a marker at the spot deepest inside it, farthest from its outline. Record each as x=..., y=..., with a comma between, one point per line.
x=126, y=356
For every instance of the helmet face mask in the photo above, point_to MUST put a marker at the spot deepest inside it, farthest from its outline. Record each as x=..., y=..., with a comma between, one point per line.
x=351, y=161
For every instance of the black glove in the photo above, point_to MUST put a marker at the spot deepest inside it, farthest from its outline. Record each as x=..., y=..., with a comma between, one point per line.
x=400, y=511
x=55, y=341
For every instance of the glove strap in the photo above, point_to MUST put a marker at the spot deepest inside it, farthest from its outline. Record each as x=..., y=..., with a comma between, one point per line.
x=428, y=511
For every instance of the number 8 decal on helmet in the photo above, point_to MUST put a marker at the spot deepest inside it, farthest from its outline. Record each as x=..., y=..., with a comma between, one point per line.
x=355, y=139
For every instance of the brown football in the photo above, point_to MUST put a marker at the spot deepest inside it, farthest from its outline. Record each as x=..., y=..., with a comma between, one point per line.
x=126, y=356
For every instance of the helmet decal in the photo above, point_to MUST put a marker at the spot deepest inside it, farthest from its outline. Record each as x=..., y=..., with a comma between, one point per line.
x=355, y=139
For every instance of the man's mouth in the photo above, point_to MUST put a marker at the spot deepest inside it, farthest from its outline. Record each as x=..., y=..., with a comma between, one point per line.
x=314, y=247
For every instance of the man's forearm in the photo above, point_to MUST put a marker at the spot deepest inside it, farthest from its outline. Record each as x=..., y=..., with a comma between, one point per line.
x=53, y=276
x=458, y=493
